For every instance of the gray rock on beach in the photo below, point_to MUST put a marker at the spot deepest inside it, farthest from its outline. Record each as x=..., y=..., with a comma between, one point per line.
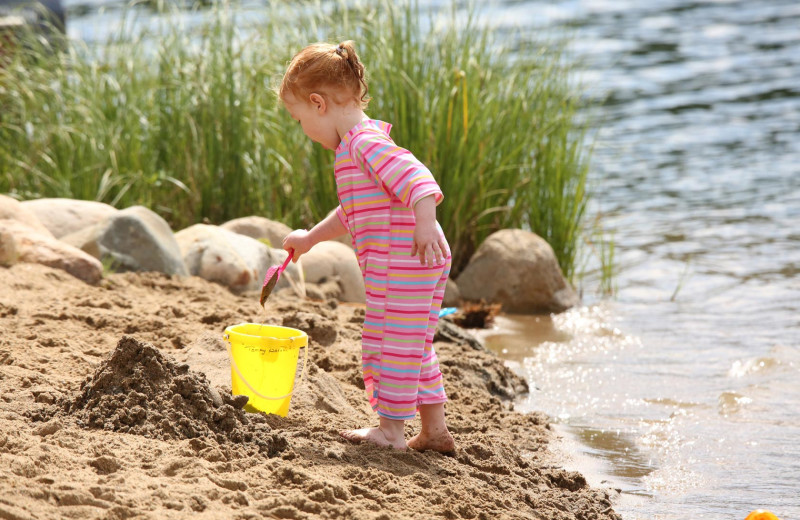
x=233, y=260
x=332, y=260
x=519, y=270
x=66, y=216
x=132, y=239
x=20, y=242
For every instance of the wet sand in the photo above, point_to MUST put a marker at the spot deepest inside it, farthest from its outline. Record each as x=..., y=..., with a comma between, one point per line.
x=115, y=404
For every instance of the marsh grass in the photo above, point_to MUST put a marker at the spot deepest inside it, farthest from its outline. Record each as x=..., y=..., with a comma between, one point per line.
x=180, y=117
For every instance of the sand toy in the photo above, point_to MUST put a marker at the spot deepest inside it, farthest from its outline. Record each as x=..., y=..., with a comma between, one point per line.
x=272, y=277
x=264, y=364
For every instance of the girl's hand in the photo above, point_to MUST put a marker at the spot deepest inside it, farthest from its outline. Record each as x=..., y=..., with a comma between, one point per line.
x=300, y=241
x=429, y=244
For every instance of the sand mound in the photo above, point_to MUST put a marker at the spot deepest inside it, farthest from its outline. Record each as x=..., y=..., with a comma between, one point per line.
x=139, y=390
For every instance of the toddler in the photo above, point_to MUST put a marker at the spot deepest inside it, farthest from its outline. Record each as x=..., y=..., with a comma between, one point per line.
x=387, y=203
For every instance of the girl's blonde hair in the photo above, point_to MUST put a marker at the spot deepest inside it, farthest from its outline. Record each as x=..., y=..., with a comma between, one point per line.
x=330, y=70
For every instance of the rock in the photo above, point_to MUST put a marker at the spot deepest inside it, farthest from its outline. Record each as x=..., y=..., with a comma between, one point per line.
x=448, y=331
x=231, y=259
x=330, y=260
x=22, y=243
x=259, y=228
x=12, y=209
x=452, y=296
x=517, y=269
x=8, y=242
x=66, y=216
x=132, y=239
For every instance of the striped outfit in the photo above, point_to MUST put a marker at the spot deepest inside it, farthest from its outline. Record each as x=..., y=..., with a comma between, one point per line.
x=378, y=184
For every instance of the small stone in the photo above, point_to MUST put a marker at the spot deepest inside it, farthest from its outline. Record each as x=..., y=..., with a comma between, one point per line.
x=216, y=399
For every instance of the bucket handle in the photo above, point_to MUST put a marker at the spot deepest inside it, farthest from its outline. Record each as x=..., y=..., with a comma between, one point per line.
x=256, y=392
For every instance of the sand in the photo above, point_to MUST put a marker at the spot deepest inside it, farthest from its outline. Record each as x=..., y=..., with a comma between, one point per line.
x=115, y=404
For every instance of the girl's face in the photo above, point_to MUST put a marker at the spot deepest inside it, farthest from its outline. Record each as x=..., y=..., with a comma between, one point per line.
x=315, y=118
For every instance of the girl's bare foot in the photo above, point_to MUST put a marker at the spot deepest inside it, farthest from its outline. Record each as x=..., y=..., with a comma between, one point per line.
x=440, y=441
x=376, y=436
x=434, y=435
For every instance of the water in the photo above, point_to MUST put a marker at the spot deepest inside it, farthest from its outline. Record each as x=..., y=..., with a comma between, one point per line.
x=684, y=389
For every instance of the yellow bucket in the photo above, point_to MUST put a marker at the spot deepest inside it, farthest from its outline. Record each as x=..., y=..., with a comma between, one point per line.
x=264, y=363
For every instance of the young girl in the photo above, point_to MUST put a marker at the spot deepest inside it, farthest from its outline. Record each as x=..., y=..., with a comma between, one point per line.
x=387, y=202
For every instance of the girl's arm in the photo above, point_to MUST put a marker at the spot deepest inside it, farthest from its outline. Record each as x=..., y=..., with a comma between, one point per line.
x=399, y=172
x=301, y=240
x=404, y=176
x=427, y=240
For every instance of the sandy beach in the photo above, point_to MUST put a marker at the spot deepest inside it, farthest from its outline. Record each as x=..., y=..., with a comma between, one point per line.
x=116, y=405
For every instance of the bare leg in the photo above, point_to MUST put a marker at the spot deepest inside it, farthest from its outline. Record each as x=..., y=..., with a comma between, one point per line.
x=434, y=435
x=389, y=433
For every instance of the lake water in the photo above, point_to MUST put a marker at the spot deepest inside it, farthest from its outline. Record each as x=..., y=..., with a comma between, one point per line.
x=686, y=387
x=684, y=390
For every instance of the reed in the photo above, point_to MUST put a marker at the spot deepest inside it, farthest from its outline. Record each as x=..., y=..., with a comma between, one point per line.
x=180, y=118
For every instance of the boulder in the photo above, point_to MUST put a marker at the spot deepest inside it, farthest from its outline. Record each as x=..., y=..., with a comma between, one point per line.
x=20, y=242
x=259, y=228
x=14, y=210
x=233, y=260
x=66, y=216
x=132, y=239
x=517, y=269
x=452, y=296
x=332, y=260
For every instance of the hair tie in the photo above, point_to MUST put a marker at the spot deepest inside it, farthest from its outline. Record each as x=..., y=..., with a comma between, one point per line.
x=340, y=50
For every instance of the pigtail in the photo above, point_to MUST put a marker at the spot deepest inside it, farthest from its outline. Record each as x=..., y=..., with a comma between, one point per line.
x=347, y=52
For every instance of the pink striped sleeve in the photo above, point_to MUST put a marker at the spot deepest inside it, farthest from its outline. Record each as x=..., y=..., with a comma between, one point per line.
x=400, y=173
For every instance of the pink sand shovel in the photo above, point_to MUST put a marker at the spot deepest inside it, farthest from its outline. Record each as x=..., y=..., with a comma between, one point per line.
x=272, y=276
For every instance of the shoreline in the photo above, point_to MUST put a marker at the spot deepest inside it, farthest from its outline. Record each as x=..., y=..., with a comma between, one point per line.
x=565, y=444
x=539, y=329
x=56, y=331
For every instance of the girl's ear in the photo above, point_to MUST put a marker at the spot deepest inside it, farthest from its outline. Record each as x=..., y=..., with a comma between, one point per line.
x=318, y=102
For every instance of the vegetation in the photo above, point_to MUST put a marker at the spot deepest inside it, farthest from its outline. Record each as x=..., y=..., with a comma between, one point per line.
x=182, y=119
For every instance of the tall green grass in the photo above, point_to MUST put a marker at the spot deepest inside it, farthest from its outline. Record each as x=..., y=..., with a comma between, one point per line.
x=181, y=118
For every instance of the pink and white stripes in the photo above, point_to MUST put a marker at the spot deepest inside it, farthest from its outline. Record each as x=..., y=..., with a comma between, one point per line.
x=378, y=184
